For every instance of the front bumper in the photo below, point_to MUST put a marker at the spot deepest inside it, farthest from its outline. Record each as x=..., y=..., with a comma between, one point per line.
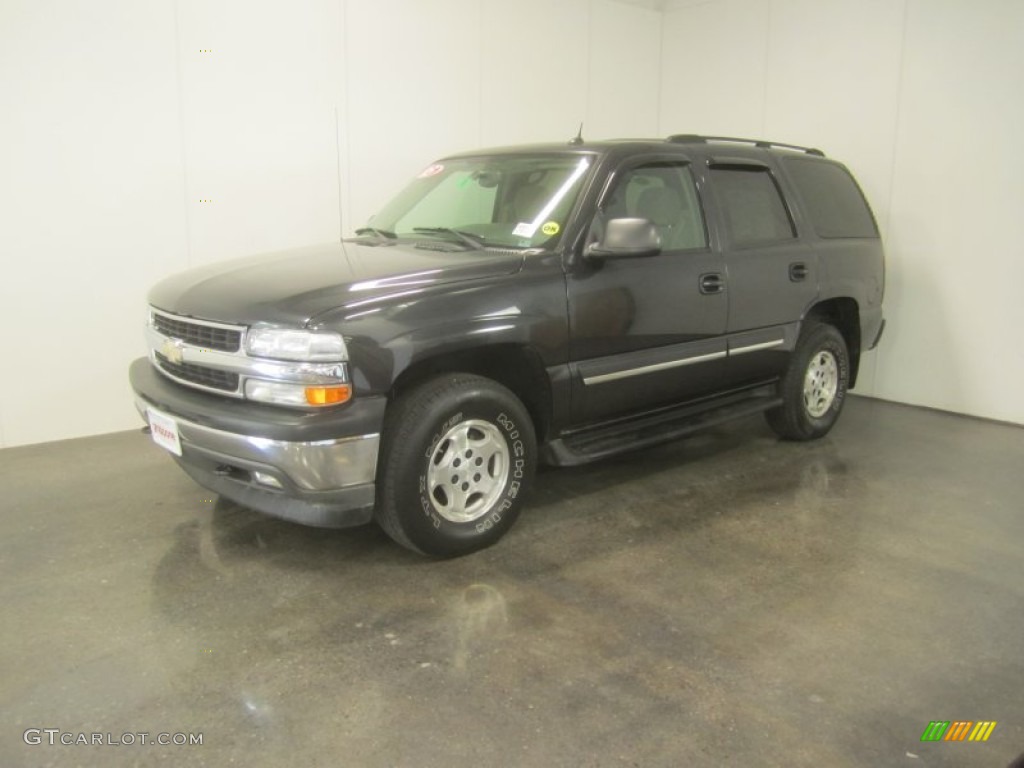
x=313, y=468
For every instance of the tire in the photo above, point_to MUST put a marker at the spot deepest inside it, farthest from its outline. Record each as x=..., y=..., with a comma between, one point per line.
x=458, y=456
x=814, y=386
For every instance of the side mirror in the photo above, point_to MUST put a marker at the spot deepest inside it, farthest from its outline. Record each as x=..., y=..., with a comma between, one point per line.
x=626, y=238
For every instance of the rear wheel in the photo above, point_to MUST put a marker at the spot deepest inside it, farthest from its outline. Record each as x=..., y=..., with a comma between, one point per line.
x=814, y=386
x=459, y=454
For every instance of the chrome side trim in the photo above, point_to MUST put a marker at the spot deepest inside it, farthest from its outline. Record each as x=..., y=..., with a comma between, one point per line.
x=323, y=465
x=757, y=347
x=615, y=375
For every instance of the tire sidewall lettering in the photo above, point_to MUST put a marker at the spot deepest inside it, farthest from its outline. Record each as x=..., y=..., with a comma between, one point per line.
x=515, y=443
x=517, y=471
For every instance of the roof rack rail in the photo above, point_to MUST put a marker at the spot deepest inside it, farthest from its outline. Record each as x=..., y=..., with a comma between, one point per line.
x=692, y=138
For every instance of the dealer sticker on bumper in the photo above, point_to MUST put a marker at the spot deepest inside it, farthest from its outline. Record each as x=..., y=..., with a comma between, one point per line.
x=164, y=431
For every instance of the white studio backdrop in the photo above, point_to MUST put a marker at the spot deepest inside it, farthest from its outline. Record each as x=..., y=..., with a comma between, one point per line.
x=141, y=137
x=921, y=99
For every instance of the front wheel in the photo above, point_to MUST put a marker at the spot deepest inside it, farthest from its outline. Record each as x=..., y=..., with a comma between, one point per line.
x=459, y=454
x=814, y=386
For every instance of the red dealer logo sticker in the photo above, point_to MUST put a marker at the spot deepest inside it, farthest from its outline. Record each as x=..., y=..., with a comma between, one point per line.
x=431, y=170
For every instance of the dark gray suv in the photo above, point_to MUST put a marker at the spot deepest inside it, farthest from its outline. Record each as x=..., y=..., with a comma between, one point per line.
x=558, y=303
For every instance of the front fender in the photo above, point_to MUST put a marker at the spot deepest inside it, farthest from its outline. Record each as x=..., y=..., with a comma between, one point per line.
x=526, y=309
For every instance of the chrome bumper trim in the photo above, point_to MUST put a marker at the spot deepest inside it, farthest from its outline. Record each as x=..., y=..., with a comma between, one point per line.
x=323, y=465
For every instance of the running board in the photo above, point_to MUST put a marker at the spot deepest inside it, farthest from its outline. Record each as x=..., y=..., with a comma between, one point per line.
x=611, y=439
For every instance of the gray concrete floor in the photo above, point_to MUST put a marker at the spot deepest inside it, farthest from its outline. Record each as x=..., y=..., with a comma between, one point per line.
x=722, y=601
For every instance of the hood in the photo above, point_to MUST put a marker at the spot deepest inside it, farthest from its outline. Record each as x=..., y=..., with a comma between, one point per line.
x=292, y=287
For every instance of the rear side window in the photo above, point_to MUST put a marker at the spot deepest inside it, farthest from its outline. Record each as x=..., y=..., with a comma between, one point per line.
x=833, y=200
x=751, y=205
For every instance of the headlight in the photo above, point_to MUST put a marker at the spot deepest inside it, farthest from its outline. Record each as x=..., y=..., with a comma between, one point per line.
x=279, y=344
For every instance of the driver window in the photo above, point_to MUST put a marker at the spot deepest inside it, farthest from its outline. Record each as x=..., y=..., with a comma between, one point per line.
x=665, y=194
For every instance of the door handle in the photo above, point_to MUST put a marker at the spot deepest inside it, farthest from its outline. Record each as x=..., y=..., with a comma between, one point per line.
x=797, y=271
x=711, y=282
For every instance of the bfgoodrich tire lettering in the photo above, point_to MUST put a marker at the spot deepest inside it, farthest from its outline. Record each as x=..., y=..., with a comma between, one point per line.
x=814, y=386
x=458, y=456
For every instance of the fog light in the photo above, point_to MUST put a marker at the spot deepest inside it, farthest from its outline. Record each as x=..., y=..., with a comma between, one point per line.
x=264, y=479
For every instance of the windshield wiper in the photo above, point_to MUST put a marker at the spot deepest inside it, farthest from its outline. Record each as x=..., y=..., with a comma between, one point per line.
x=381, y=233
x=474, y=241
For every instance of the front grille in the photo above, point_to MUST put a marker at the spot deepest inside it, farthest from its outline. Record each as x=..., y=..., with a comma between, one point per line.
x=198, y=333
x=200, y=375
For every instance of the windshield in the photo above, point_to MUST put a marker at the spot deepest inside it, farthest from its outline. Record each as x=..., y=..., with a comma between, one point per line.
x=515, y=200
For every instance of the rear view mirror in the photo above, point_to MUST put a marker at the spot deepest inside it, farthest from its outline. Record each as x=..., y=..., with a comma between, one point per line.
x=626, y=238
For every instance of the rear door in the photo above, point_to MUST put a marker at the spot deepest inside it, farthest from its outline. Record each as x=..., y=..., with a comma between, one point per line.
x=772, y=276
x=648, y=331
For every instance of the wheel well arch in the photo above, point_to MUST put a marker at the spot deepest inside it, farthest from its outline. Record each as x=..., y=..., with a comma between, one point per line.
x=844, y=313
x=515, y=366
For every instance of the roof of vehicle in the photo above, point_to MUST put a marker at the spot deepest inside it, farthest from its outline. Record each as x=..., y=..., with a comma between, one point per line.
x=627, y=145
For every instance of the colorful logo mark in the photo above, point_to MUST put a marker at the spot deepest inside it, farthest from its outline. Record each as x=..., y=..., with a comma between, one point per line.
x=958, y=730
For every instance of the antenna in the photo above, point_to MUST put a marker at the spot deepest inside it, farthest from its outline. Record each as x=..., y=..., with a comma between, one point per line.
x=578, y=138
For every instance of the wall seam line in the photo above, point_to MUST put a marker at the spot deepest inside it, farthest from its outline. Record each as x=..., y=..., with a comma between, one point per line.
x=480, y=76
x=340, y=83
x=663, y=12
x=590, y=65
x=892, y=165
x=896, y=118
x=181, y=133
x=346, y=71
x=765, y=70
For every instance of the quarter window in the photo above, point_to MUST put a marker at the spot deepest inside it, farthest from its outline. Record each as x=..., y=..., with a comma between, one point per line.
x=834, y=201
x=751, y=205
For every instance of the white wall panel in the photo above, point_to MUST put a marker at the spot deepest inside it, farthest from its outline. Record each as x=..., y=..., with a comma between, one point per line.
x=713, y=68
x=902, y=92
x=259, y=85
x=625, y=71
x=832, y=81
x=833, y=76
x=534, y=73
x=91, y=206
x=120, y=117
x=413, y=92
x=957, y=263
x=141, y=137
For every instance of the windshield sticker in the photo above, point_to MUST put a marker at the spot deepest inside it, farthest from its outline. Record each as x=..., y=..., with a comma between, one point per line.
x=524, y=229
x=550, y=228
x=431, y=170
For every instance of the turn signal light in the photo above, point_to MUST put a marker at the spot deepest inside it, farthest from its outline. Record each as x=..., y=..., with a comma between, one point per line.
x=328, y=395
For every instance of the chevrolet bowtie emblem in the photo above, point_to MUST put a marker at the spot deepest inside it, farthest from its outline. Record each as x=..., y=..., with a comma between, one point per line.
x=172, y=350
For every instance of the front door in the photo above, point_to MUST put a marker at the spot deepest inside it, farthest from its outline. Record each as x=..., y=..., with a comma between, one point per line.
x=648, y=331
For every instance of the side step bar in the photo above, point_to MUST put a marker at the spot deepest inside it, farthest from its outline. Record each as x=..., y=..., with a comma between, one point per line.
x=610, y=439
